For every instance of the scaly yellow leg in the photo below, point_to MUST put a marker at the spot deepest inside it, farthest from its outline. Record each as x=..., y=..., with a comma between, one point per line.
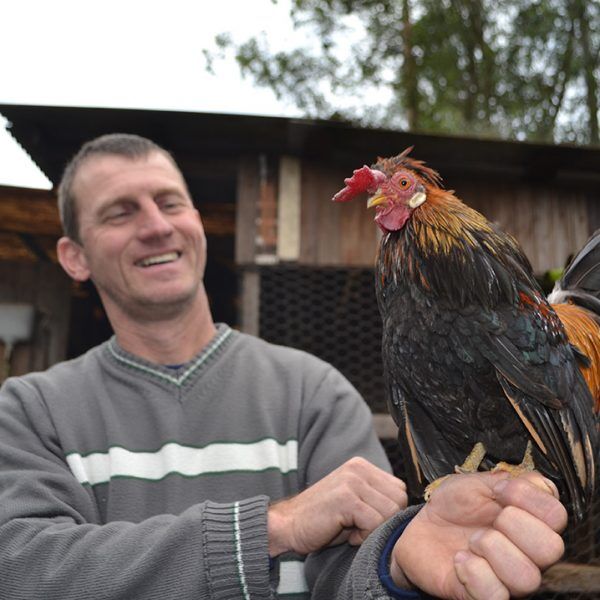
x=525, y=466
x=473, y=461
x=470, y=465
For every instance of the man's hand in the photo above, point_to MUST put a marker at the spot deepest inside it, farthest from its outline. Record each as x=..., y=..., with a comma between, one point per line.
x=482, y=536
x=346, y=505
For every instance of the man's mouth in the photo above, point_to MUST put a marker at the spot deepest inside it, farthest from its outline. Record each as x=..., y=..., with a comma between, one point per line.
x=159, y=259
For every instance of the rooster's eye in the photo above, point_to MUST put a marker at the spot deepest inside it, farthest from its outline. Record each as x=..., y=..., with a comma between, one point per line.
x=404, y=182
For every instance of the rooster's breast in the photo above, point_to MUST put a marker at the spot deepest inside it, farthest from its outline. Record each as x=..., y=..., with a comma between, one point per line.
x=434, y=357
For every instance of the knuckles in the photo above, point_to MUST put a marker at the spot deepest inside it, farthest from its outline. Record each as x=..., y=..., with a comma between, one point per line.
x=358, y=465
x=491, y=542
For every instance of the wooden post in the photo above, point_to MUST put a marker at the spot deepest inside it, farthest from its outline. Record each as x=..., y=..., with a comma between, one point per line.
x=288, y=223
x=250, y=305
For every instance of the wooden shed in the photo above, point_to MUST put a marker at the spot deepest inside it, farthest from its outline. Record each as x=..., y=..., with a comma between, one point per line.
x=284, y=262
x=30, y=277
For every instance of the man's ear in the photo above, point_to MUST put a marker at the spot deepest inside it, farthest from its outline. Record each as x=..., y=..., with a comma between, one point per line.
x=72, y=259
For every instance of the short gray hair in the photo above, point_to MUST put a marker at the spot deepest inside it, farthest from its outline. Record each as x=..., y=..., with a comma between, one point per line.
x=119, y=144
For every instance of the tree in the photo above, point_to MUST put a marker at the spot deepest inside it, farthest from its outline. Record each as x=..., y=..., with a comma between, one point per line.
x=512, y=68
x=551, y=71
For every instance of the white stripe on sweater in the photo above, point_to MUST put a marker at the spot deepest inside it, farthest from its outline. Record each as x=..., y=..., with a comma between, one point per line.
x=101, y=467
x=238, y=550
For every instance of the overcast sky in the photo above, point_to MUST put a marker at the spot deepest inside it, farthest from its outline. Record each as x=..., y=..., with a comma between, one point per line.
x=127, y=54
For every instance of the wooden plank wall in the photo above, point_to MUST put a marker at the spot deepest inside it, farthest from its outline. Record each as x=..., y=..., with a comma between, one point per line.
x=47, y=288
x=549, y=223
x=334, y=234
x=29, y=224
x=593, y=206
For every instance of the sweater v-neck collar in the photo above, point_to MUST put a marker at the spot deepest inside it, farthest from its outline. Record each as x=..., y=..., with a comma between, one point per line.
x=175, y=376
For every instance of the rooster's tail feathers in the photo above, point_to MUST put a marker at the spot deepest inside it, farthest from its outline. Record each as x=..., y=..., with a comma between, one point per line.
x=580, y=283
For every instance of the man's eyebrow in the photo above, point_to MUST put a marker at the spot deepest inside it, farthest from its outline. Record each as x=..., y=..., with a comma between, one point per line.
x=170, y=190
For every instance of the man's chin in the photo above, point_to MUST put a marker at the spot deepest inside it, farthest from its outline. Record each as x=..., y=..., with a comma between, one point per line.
x=158, y=307
x=166, y=305
x=156, y=304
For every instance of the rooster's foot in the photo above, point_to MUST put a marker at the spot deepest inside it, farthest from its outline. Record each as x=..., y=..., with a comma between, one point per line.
x=470, y=465
x=434, y=484
x=473, y=461
x=525, y=466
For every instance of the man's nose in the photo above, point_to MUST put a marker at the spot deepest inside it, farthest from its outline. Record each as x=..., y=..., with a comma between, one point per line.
x=153, y=223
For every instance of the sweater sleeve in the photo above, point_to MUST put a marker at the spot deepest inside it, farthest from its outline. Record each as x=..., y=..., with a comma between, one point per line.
x=337, y=425
x=53, y=545
x=356, y=574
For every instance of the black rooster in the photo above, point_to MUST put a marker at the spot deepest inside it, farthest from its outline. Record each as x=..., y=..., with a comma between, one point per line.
x=473, y=354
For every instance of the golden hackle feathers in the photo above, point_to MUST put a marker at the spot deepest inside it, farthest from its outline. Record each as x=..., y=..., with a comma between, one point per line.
x=438, y=231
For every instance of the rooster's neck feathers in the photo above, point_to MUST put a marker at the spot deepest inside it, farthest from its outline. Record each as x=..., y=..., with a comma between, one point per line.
x=446, y=247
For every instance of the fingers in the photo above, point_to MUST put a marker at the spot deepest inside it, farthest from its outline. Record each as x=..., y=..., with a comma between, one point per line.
x=370, y=512
x=542, y=482
x=348, y=504
x=510, y=565
x=532, y=536
x=371, y=486
x=535, y=495
x=386, y=504
x=478, y=577
x=378, y=479
x=507, y=558
x=483, y=536
x=368, y=497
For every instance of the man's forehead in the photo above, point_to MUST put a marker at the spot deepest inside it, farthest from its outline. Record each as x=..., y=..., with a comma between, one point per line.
x=102, y=171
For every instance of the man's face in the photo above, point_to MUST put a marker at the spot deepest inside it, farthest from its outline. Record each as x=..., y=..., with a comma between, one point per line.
x=142, y=241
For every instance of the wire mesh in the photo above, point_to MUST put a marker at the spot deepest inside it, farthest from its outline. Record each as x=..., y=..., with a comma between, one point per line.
x=332, y=313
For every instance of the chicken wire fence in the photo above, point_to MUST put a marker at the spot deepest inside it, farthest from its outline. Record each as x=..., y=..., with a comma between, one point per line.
x=332, y=313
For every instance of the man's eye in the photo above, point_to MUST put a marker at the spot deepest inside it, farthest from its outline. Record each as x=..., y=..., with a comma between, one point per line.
x=117, y=214
x=171, y=203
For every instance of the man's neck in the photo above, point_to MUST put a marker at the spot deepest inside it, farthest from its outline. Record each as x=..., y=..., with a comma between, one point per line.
x=170, y=341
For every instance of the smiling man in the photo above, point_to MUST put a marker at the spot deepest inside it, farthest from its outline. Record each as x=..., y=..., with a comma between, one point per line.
x=183, y=460
x=142, y=243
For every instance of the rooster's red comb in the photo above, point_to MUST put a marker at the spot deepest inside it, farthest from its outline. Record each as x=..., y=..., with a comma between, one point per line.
x=364, y=179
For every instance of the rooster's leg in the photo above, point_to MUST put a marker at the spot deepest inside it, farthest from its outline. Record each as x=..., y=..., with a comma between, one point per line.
x=472, y=461
x=525, y=466
x=470, y=465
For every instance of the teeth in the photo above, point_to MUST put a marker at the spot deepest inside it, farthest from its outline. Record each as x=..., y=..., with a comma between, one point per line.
x=159, y=259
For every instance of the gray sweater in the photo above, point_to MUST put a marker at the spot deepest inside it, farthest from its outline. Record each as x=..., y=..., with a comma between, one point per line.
x=122, y=479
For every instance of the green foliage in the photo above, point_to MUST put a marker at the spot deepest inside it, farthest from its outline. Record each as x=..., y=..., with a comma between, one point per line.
x=525, y=69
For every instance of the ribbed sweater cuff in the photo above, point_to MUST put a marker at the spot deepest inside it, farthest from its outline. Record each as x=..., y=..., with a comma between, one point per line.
x=236, y=549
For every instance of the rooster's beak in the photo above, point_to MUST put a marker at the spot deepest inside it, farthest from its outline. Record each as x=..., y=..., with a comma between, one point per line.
x=376, y=200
